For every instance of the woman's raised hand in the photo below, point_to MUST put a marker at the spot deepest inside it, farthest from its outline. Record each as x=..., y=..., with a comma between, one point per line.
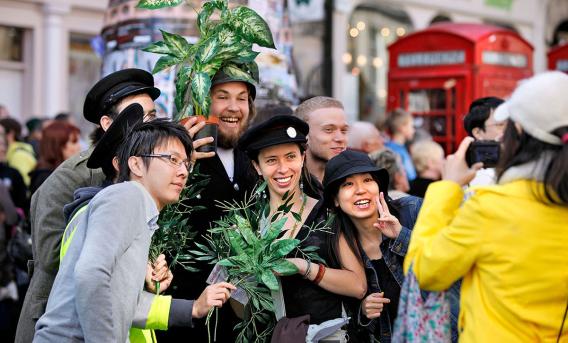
x=386, y=223
x=373, y=305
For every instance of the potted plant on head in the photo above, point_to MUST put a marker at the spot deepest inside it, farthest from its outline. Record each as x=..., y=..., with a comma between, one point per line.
x=224, y=50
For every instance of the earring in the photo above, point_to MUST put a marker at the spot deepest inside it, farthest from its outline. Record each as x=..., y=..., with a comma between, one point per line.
x=302, y=186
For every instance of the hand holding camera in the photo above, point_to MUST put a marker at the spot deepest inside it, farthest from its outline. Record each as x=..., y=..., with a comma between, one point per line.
x=456, y=169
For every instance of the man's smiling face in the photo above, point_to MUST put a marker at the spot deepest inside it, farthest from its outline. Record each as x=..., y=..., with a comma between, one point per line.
x=229, y=102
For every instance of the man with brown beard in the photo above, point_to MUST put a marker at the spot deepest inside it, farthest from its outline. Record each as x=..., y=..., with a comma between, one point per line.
x=230, y=175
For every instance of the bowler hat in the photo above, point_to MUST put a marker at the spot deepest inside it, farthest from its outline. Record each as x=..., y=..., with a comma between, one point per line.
x=115, y=87
x=350, y=162
x=279, y=129
x=222, y=77
x=106, y=148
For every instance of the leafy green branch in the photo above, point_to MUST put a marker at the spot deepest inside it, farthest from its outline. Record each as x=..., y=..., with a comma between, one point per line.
x=174, y=234
x=248, y=243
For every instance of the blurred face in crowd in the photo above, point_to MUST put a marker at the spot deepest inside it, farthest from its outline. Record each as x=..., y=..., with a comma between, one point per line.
x=328, y=133
x=493, y=130
x=373, y=142
x=143, y=99
x=357, y=195
x=407, y=129
x=281, y=167
x=162, y=177
x=72, y=147
x=229, y=102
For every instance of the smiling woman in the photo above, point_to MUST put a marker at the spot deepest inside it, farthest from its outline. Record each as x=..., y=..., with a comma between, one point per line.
x=377, y=231
x=277, y=149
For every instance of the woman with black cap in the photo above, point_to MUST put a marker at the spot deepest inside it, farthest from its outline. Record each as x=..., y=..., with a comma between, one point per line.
x=277, y=150
x=378, y=232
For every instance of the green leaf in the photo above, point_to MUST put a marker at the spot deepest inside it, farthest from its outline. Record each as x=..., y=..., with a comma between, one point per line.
x=212, y=67
x=200, y=85
x=226, y=262
x=269, y=280
x=179, y=47
x=253, y=71
x=156, y=4
x=282, y=247
x=285, y=268
x=182, y=83
x=164, y=62
x=274, y=230
x=159, y=47
x=237, y=73
x=297, y=216
x=207, y=50
x=245, y=56
x=252, y=27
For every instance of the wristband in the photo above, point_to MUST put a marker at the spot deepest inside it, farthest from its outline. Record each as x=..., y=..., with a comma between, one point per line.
x=308, y=269
x=321, y=272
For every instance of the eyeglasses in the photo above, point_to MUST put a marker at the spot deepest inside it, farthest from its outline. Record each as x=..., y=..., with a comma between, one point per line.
x=172, y=159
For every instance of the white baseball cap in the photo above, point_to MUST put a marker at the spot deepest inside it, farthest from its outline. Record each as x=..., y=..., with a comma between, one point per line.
x=540, y=105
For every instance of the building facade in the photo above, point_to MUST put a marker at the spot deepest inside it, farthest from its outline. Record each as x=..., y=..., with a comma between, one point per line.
x=46, y=63
x=362, y=30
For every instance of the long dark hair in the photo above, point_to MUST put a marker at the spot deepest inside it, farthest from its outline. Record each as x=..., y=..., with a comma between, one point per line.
x=520, y=148
x=343, y=224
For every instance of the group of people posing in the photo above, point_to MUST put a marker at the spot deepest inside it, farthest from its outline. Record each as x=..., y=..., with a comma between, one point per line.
x=94, y=216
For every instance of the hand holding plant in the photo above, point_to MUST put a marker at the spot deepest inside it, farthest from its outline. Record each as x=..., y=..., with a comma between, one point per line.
x=212, y=296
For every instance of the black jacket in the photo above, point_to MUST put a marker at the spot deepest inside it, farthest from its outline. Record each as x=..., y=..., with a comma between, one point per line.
x=188, y=285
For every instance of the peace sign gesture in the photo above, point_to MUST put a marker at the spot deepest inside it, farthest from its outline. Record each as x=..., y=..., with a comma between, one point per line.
x=386, y=223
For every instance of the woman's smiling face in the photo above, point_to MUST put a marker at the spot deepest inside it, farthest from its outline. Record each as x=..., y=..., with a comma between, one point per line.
x=281, y=166
x=357, y=196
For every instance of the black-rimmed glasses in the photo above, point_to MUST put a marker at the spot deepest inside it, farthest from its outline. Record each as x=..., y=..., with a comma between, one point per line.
x=172, y=159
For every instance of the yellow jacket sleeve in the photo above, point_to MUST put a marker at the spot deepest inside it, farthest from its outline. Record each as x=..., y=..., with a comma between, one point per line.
x=446, y=239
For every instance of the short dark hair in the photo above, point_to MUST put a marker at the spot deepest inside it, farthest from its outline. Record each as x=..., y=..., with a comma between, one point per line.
x=98, y=132
x=479, y=110
x=143, y=139
x=12, y=126
x=521, y=148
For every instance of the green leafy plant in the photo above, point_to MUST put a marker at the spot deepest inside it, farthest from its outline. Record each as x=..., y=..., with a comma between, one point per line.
x=247, y=245
x=174, y=233
x=224, y=44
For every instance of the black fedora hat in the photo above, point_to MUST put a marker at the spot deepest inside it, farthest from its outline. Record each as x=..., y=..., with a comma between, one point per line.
x=114, y=87
x=222, y=77
x=106, y=148
x=350, y=162
x=279, y=129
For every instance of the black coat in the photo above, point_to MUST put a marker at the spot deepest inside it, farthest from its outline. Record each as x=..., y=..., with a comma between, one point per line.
x=189, y=285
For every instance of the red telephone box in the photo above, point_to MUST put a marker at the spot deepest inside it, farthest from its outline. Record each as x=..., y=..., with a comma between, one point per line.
x=437, y=72
x=558, y=58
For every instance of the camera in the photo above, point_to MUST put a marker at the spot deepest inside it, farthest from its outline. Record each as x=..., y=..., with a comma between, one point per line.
x=487, y=152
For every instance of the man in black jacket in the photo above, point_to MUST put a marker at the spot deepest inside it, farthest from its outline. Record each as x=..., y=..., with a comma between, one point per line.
x=231, y=175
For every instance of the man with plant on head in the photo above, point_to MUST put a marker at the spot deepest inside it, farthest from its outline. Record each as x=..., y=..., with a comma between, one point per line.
x=231, y=175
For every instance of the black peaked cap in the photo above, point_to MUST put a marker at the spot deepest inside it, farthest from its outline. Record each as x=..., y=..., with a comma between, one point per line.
x=277, y=130
x=114, y=87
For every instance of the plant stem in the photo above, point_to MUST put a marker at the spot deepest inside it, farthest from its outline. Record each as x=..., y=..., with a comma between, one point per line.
x=157, y=287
